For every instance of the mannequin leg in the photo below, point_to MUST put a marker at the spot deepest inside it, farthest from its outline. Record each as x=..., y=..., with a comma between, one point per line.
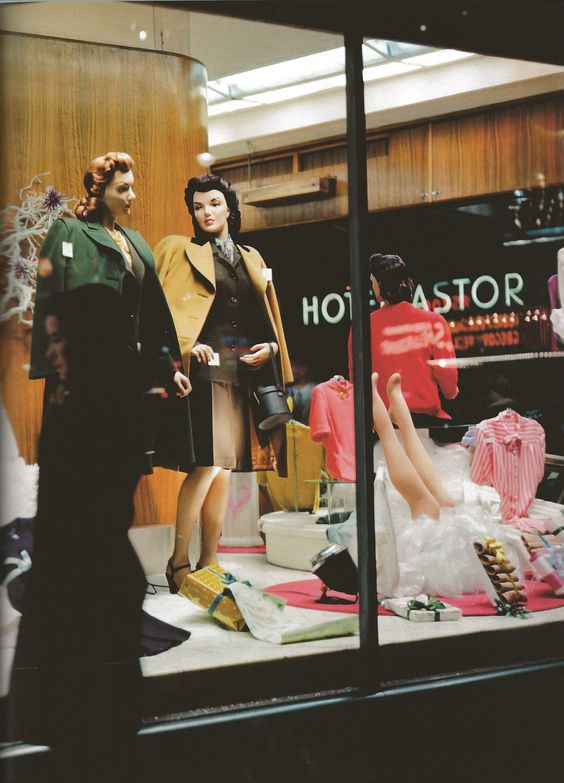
x=402, y=472
x=191, y=499
x=399, y=414
x=213, y=517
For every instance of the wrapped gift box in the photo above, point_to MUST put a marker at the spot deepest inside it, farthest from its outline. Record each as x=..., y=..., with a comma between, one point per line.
x=209, y=588
x=422, y=609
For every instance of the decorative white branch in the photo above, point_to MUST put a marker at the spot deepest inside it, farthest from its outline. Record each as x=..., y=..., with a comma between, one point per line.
x=23, y=228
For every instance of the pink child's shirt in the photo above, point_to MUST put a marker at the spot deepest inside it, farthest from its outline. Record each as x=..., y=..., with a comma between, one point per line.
x=331, y=418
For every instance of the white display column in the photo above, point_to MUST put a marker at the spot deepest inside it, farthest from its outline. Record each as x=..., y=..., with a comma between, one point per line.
x=240, y=527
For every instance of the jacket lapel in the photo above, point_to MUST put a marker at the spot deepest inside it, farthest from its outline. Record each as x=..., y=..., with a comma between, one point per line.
x=201, y=258
x=98, y=234
x=132, y=238
x=254, y=271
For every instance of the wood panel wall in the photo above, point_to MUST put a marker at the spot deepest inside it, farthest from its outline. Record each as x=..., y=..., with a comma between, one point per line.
x=63, y=103
x=478, y=153
x=501, y=149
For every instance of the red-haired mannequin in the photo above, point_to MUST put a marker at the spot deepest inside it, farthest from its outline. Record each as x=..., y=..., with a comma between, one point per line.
x=95, y=248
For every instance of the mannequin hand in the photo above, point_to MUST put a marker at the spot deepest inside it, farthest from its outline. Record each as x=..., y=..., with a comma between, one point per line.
x=184, y=385
x=260, y=353
x=203, y=353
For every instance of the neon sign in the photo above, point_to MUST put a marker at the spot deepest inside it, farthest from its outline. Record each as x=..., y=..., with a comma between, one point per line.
x=484, y=292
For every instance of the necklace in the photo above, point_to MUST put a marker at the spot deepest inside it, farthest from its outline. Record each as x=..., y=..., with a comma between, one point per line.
x=120, y=241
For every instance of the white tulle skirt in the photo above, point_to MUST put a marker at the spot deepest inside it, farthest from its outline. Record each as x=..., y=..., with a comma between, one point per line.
x=438, y=556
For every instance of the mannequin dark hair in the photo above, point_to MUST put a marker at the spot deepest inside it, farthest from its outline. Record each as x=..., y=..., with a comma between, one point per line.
x=204, y=184
x=100, y=173
x=393, y=278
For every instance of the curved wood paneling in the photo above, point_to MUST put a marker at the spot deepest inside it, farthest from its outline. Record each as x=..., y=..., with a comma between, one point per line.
x=487, y=151
x=63, y=103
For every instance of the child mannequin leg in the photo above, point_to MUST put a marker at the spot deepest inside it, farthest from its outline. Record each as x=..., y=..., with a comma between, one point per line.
x=400, y=415
x=403, y=474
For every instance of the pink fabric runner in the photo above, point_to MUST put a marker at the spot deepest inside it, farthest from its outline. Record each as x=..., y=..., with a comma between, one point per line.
x=242, y=550
x=304, y=593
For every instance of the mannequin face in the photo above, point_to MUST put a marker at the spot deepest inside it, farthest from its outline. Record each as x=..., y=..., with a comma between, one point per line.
x=118, y=195
x=211, y=213
x=56, y=350
x=376, y=289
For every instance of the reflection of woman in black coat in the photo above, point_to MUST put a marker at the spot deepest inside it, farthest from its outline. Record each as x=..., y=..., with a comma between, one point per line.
x=76, y=674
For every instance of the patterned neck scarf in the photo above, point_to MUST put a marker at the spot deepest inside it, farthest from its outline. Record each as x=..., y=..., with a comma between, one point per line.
x=226, y=248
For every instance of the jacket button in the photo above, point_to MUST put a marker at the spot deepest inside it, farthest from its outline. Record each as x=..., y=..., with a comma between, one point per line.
x=234, y=324
x=233, y=275
x=234, y=299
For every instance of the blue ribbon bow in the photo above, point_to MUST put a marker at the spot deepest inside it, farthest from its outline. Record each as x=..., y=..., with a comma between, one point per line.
x=226, y=579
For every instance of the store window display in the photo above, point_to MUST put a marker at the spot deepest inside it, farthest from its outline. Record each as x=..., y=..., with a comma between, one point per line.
x=433, y=551
x=227, y=316
x=95, y=248
x=434, y=530
x=404, y=338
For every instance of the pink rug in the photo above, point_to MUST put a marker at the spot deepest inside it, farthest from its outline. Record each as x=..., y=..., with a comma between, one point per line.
x=242, y=550
x=305, y=592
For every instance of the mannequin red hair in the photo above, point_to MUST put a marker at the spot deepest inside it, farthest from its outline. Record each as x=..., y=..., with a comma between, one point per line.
x=99, y=174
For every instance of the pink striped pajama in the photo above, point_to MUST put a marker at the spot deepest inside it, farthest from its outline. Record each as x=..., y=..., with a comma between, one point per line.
x=510, y=456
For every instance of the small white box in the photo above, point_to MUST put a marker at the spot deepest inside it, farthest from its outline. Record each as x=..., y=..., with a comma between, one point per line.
x=400, y=606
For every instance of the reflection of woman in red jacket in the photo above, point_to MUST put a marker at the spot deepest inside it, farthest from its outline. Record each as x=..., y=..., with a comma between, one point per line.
x=404, y=339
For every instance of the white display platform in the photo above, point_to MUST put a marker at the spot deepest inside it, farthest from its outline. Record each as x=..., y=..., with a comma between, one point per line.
x=292, y=538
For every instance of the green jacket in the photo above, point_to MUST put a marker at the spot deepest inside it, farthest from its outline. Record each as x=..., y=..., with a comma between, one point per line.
x=77, y=253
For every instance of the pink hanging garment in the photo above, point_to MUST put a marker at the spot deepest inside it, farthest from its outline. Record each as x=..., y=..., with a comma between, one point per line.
x=331, y=418
x=510, y=457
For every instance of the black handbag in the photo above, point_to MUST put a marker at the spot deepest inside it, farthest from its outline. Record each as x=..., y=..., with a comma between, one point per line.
x=336, y=569
x=269, y=403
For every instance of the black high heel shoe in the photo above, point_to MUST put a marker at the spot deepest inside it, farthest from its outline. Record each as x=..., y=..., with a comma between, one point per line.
x=171, y=570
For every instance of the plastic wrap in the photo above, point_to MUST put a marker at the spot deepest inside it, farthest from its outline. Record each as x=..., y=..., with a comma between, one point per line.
x=437, y=557
x=429, y=556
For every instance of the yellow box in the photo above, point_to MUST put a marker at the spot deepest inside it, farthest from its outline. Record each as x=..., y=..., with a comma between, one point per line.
x=207, y=588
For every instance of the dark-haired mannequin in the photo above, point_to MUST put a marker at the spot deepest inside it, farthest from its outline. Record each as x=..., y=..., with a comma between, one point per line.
x=96, y=248
x=225, y=309
x=404, y=339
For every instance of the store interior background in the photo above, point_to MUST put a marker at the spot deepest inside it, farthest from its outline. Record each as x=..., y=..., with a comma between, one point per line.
x=460, y=227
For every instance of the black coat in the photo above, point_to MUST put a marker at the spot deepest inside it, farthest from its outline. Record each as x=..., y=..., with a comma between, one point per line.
x=76, y=672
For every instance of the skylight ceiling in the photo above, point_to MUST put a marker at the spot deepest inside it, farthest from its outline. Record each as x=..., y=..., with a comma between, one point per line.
x=319, y=72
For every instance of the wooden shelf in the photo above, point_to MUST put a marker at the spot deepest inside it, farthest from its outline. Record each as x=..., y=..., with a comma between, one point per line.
x=292, y=192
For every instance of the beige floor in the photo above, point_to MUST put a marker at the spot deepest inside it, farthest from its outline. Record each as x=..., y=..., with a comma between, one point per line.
x=210, y=645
